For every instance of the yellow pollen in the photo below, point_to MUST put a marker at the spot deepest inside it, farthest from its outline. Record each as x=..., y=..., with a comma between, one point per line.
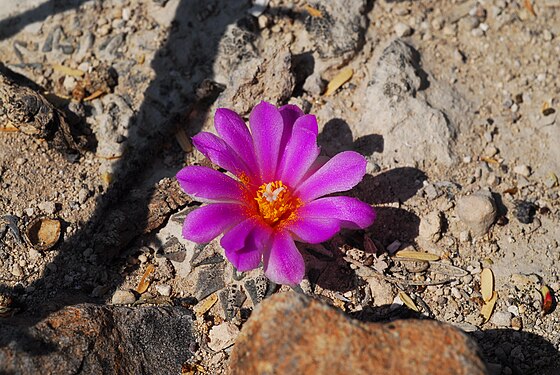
x=276, y=204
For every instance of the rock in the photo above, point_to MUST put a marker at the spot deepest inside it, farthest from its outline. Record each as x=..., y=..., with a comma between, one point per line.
x=209, y=280
x=309, y=337
x=402, y=30
x=477, y=211
x=413, y=130
x=314, y=85
x=522, y=170
x=164, y=290
x=430, y=226
x=222, y=336
x=269, y=78
x=123, y=297
x=113, y=126
x=92, y=339
x=47, y=207
x=382, y=291
x=340, y=30
x=83, y=195
x=501, y=318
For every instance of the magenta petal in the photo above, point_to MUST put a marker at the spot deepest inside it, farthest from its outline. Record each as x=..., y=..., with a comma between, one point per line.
x=218, y=151
x=301, y=151
x=341, y=173
x=206, y=223
x=267, y=127
x=283, y=263
x=351, y=212
x=207, y=185
x=290, y=113
x=244, y=244
x=231, y=127
x=314, y=229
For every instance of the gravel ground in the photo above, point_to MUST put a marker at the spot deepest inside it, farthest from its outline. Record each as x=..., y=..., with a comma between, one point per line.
x=454, y=104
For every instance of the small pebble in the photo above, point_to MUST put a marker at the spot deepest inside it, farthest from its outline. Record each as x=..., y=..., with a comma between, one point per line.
x=516, y=323
x=455, y=293
x=477, y=211
x=522, y=170
x=437, y=23
x=501, y=318
x=16, y=270
x=490, y=151
x=164, y=290
x=477, y=32
x=142, y=258
x=222, y=336
x=524, y=211
x=431, y=226
x=402, y=30
x=83, y=195
x=123, y=297
x=48, y=208
x=547, y=35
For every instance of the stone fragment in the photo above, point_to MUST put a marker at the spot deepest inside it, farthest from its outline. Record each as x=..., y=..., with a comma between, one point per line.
x=164, y=290
x=501, y=318
x=382, y=292
x=402, y=30
x=92, y=339
x=430, y=226
x=294, y=334
x=83, y=195
x=414, y=130
x=47, y=207
x=314, y=85
x=123, y=297
x=340, y=29
x=522, y=170
x=477, y=211
x=222, y=336
x=209, y=280
x=269, y=78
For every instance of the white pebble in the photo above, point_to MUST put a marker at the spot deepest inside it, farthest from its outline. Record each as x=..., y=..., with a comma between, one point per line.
x=164, y=290
x=123, y=297
x=522, y=170
x=402, y=30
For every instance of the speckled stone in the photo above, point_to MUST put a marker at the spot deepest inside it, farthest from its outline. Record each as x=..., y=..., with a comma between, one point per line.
x=294, y=334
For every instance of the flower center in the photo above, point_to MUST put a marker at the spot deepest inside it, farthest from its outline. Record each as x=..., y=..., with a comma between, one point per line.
x=275, y=203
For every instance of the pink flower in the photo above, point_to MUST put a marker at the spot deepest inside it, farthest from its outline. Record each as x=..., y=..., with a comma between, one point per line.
x=275, y=195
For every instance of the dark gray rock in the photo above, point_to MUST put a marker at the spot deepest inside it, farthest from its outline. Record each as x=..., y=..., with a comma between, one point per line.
x=92, y=339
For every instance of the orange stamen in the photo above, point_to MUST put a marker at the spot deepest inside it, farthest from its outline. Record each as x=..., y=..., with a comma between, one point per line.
x=276, y=204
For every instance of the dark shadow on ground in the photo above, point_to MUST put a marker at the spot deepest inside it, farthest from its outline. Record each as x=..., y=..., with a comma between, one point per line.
x=121, y=212
x=499, y=348
x=12, y=25
x=517, y=350
x=337, y=137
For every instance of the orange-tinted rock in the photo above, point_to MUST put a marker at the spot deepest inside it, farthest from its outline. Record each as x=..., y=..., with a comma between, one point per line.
x=294, y=334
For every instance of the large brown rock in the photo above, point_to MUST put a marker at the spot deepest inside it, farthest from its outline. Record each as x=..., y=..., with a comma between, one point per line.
x=93, y=339
x=294, y=334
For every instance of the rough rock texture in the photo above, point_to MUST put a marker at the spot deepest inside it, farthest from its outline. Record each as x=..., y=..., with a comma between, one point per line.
x=293, y=334
x=395, y=110
x=477, y=211
x=91, y=339
x=339, y=31
x=269, y=78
